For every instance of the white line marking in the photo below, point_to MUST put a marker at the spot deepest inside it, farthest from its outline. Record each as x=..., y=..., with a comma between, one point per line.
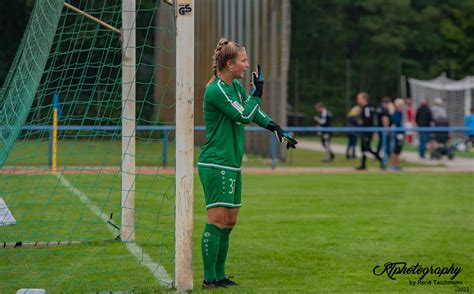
x=236, y=104
x=156, y=269
x=219, y=166
x=223, y=203
x=6, y=217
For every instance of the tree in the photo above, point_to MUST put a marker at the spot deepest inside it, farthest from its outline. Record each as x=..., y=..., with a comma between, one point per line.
x=379, y=40
x=13, y=19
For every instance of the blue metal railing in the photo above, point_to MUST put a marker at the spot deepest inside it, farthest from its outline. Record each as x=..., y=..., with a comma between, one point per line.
x=273, y=143
x=254, y=129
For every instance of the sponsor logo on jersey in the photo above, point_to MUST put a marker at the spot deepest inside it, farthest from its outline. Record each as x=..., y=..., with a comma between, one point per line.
x=238, y=106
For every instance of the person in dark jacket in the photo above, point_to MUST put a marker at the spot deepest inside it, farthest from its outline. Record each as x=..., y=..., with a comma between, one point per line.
x=352, y=122
x=367, y=120
x=324, y=119
x=384, y=112
x=423, y=118
x=398, y=139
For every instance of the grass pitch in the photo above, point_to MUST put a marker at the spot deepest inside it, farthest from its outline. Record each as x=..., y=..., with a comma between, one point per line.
x=150, y=153
x=313, y=233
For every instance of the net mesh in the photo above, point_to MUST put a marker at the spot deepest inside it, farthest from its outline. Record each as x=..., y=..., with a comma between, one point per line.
x=456, y=95
x=67, y=231
x=22, y=80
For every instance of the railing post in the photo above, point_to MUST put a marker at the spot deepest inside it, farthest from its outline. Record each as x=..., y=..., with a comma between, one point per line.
x=392, y=142
x=50, y=148
x=165, y=147
x=273, y=146
x=385, y=147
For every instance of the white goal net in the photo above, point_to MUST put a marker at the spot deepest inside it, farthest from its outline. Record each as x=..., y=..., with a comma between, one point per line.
x=457, y=95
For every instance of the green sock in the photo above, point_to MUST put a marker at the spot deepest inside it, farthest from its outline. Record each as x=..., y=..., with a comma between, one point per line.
x=209, y=250
x=222, y=256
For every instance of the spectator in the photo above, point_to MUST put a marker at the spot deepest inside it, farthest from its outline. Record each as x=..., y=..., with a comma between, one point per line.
x=383, y=118
x=423, y=118
x=410, y=119
x=440, y=119
x=399, y=136
x=352, y=122
x=367, y=120
x=469, y=122
x=437, y=110
x=324, y=120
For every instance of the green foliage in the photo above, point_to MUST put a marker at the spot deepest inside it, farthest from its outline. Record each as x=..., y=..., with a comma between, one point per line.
x=381, y=40
x=84, y=66
x=13, y=19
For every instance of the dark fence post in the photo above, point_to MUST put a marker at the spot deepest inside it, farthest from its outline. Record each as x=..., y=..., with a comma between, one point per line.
x=50, y=148
x=273, y=146
x=165, y=147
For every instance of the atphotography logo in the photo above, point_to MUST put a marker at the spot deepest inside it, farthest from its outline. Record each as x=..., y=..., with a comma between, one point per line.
x=393, y=269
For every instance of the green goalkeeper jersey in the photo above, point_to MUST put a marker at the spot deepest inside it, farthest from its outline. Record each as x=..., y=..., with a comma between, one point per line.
x=227, y=108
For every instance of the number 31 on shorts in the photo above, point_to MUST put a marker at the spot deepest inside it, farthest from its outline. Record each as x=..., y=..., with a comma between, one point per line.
x=232, y=186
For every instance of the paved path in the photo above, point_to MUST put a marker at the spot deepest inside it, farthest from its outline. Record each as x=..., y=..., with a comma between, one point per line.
x=458, y=163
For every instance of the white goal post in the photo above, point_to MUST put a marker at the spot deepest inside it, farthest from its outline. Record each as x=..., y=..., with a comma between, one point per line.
x=128, y=120
x=184, y=11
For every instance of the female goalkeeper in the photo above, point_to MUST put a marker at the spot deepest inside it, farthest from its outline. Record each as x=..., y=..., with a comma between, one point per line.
x=227, y=108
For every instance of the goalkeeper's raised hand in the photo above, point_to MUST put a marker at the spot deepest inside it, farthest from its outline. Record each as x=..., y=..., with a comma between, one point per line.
x=282, y=136
x=257, y=82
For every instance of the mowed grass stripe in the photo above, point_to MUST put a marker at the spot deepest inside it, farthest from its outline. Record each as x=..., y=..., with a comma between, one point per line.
x=312, y=233
x=143, y=258
x=98, y=153
x=48, y=211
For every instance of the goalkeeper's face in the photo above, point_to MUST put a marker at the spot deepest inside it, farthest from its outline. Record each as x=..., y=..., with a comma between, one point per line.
x=239, y=65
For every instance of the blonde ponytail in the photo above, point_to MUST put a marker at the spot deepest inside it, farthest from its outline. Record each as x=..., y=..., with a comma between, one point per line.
x=225, y=50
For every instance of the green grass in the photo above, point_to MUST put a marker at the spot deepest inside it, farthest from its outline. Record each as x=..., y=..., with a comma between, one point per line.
x=88, y=152
x=308, y=158
x=457, y=153
x=296, y=233
x=406, y=147
x=47, y=211
x=150, y=153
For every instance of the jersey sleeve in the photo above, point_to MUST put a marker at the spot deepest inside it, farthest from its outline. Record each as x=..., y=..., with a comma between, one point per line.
x=237, y=111
x=261, y=118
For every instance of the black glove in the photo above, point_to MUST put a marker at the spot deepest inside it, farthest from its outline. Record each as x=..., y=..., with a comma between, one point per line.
x=257, y=82
x=282, y=135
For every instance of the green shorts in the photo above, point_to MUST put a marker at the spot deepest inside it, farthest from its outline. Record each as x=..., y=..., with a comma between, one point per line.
x=221, y=187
